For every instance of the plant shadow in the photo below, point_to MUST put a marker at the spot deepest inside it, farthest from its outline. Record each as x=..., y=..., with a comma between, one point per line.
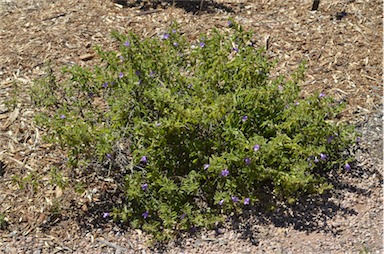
x=190, y=6
x=309, y=214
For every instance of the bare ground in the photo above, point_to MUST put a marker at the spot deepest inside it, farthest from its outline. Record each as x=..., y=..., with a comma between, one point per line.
x=344, y=55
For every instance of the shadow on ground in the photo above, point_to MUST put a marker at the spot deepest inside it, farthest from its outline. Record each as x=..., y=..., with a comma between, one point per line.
x=190, y=6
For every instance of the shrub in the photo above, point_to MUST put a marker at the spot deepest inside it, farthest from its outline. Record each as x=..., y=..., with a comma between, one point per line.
x=207, y=130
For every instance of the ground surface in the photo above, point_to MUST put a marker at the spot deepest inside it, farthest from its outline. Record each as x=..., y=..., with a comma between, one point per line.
x=344, y=55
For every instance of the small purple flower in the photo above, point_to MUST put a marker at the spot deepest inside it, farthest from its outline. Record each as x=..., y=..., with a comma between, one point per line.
x=246, y=201
x=297, y=103
x=280, y=88
x=347, y=167
x=229, y=23
x=138, y=73
x=109, y=156
x=144, y=186
x=90, y=95
x=121, y=57
x=358, y=140
x=206, y=166
x=158, y=124
x=145, y=214
x=105, y=215
x=225, y=172
x=247, y=161
x=256, y=148
x=323, y=157
x=151, y=73
x=321, y=95
x=175, y=44
x=143, y=160
x=221, y=202
x=316, y=160
x=330, y=138
x=189, y=86
x=105, y=85
x=174, y=31
x=202, y=44
x=127, y=44
x=165, y=36
x=62, y=116
x=236, y=49
x=121, y=75
x=182, y=216
x=235, y=199
x=244, y=118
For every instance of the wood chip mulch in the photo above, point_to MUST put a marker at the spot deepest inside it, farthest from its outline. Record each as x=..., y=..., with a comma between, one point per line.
x=342, y=44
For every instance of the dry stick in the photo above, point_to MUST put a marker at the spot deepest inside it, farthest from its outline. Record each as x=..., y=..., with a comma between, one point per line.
x=117, y=247
x=22, y=164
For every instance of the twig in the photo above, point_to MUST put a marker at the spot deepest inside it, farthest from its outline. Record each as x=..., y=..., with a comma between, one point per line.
x=117, y=247
x=22, y=164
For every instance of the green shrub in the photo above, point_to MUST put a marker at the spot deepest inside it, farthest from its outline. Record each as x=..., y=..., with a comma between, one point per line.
x=208, y=131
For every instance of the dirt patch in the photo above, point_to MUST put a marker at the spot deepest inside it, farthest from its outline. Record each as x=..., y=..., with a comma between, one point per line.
x=342, y=44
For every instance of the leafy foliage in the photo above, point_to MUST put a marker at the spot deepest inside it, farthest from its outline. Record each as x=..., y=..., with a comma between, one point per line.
x=208, y=131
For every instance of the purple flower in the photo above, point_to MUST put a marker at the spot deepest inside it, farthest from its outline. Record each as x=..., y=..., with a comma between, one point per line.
x=236, y=49
x=151, y=73
x=105, y=215
x=90, y=95
x=347, y=167
x=175, y=44
x=105, y=85
x=321, y=95
x=244, y=118
x=229, y=23
x=280, y=88
x=143, y=160
x=144, y=186
x=235, y=199
x=330, y=138
x=127, y=44
x=182, y=216
x=189, y=86
x=323, y=157
x=247, y=161
x=121, y=57
x=137, y=73
x=174, y=31
x=316, y=160
x=158, y=124
x=297, y=103
x=145, y=214
x=121, y=75
x=165, y=36
x=202, y=44
x=221, y=202
x=206, y=166
x=109, y=156
x=358, y=140
x=225, y=172
x=246, y=201
x=256, y=148
x=62, y=116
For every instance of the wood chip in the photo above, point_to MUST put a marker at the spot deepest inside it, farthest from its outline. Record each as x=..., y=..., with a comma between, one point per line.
x=87, y=57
